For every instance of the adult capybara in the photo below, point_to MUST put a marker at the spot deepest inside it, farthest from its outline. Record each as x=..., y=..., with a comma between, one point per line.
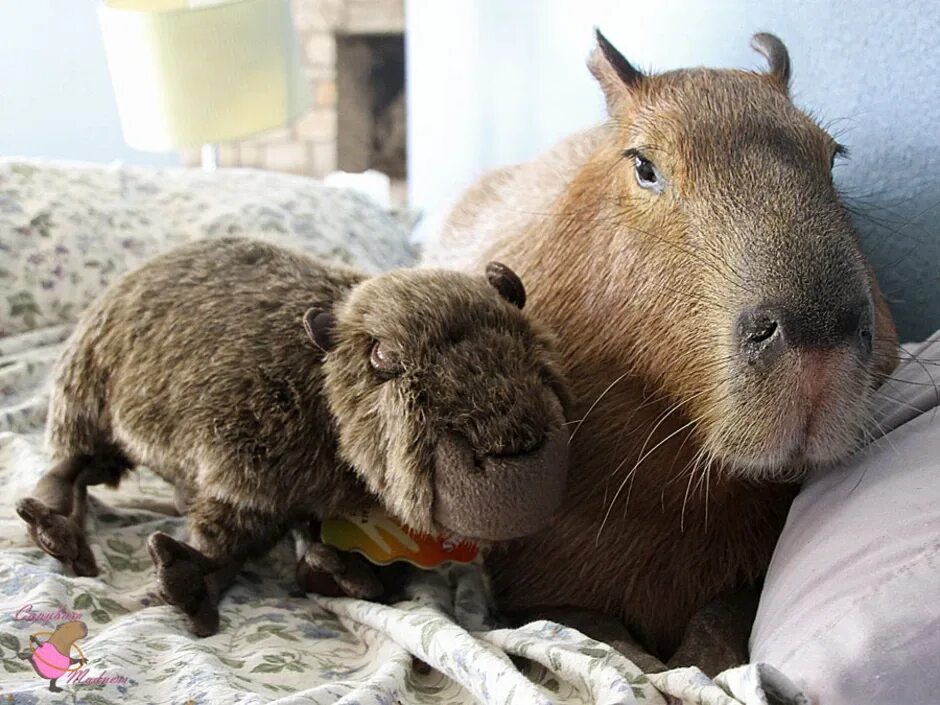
x=428, y=394
x=721, y=330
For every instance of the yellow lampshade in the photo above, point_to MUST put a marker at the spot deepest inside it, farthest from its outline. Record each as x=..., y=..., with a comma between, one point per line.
x=198, y=72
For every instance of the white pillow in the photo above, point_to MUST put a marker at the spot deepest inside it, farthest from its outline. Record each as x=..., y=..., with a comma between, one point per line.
x=850, y=610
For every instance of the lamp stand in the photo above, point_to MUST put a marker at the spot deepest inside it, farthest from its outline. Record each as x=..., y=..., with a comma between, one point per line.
x=210, y=157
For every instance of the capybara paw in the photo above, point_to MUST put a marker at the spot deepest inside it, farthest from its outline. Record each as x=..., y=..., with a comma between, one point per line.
x=359, y=579
x=181, y=578
x=58, y=536
x=204, y=620
x=326, y=571
x=310, y=579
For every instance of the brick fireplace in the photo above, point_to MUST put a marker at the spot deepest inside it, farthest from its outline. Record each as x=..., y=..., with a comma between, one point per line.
x=354, y=59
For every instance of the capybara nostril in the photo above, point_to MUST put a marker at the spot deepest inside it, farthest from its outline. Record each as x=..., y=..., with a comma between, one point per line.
x=760, y=334
x=765, y=332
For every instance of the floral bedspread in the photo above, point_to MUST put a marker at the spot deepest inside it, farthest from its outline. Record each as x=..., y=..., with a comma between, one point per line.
x=67, y=232
x=274, y=647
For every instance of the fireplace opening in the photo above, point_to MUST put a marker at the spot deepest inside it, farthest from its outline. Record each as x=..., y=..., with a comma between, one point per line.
x=370, y=88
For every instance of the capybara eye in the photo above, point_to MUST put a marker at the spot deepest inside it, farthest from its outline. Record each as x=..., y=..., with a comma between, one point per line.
x=385, y=361
x=839, y=150
x=647, y=175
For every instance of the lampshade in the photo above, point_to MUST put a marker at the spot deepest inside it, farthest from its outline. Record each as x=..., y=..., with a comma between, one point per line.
x=198, y=72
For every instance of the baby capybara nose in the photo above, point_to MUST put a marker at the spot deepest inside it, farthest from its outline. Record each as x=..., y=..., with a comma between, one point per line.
x=499, y=497
x=763, y=333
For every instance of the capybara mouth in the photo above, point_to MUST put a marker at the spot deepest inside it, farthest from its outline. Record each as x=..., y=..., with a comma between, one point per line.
x=496, y=497
x=807, y=412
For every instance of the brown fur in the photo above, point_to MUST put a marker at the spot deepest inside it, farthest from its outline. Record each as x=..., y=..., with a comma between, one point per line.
x=671, y=499
x=197, y=366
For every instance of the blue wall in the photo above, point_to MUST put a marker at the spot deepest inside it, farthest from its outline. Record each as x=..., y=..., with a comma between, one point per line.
x=55, y=93
x=493, y=82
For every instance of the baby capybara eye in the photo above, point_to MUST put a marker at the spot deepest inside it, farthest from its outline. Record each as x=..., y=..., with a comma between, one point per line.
x=385, y=360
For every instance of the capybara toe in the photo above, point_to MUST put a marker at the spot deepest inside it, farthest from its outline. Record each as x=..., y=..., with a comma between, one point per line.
x=204, y=620
x=359, y=579
x=30, y=509
x=84, y=564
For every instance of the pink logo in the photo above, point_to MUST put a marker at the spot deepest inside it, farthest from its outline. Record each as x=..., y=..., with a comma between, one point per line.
x=57, y=653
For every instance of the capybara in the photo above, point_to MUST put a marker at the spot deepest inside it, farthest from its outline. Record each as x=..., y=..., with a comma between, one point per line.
x=721, y=329
x=273, y=390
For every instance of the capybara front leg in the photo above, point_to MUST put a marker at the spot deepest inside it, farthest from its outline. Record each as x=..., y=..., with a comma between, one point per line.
x=193, y=576
x=326, y=571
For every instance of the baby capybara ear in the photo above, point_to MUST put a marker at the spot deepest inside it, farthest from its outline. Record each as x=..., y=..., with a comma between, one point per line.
x=506, y=282
x=319, y=324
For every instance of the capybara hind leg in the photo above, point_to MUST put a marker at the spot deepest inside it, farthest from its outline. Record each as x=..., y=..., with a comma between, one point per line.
x=49, y=515
x=55, y=512
x=58, y=536
x=193, y=576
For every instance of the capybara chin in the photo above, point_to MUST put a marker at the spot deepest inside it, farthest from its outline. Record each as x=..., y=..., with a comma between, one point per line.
x=720, y=327
x=275, y=391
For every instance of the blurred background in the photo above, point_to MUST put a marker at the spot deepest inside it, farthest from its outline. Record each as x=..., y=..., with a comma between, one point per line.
x=432, y=93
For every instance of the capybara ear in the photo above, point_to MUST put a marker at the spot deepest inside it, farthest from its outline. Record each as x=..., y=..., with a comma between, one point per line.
x=319, y=323
x=778, y=58
x=616, y=76
x=506, y=282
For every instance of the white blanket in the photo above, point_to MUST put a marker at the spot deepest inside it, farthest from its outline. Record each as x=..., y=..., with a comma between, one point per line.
x=273, y=647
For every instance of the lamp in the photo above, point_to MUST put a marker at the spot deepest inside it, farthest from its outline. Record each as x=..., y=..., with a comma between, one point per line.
x=199, y=72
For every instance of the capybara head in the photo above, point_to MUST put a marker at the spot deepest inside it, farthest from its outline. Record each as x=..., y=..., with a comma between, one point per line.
x=67, y=634
x=715, y=208
x=448, y=400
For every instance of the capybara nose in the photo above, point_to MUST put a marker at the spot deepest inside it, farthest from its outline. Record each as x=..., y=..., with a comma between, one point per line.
x=765, y=332
x=499, y=497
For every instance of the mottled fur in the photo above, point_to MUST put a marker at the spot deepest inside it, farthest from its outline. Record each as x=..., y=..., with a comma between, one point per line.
x=670, y=501
x=198, y=366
